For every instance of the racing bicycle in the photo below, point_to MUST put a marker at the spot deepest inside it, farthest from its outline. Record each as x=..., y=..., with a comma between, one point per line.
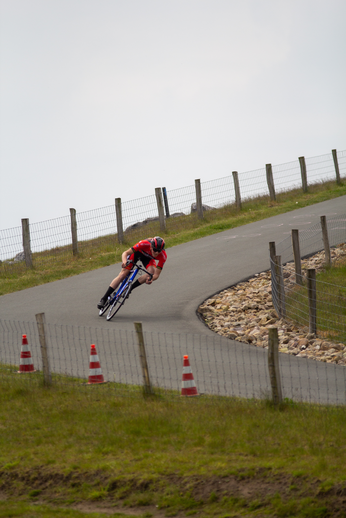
x=117, y=299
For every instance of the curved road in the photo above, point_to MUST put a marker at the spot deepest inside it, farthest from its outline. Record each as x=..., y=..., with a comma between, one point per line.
x=194, y=271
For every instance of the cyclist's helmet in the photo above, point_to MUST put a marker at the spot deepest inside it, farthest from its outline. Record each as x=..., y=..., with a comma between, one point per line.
x=157, y=243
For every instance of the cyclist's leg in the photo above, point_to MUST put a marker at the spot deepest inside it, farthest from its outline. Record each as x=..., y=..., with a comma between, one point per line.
x=125, y=272
x=143, y=278
x=113, y=285
x=119, y=278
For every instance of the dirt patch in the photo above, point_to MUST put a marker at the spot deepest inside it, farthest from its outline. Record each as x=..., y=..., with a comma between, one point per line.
x=101, y=492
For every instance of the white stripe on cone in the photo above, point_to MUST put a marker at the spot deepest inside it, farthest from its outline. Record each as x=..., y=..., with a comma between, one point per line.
x=25, y=361
x=188, y=384
x=95, y=372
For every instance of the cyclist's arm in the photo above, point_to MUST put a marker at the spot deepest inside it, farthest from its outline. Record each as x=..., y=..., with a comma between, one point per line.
x=161, y=261
x=157, y=273
x=124, y=256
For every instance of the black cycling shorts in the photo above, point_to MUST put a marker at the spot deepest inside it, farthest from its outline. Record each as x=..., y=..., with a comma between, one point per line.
x=138, y=256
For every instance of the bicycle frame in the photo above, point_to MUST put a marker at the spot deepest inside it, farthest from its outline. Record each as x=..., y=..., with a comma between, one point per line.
x=128, y=281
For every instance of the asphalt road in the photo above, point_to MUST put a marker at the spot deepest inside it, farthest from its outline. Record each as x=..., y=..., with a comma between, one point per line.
x=193, y=272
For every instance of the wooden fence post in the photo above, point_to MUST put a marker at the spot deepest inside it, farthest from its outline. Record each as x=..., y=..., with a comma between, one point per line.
x=159, y=202
x=273, y=365
x=281, y=286
x=119, y=217
x=26, y=242
x=325, y=239
x=199, y=198
x=236, y=189
x=165, y=201
x=296, y=255
x=74, y=231
x=312, y=301
x=336, y=165
x=272, y=250
x=273, y=277
x=303, y=173
x=147, y=389
x=270, y=182
x=41, y=324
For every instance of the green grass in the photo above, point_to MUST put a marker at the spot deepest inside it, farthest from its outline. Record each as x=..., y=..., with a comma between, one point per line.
x=60, y=447
x=59, y=263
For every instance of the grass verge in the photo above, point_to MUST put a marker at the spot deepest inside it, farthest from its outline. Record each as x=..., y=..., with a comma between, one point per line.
x=61, y=448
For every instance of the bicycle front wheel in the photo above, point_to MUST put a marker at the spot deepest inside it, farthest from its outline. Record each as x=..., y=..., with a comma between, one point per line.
x=120, y=301
x=104, y=309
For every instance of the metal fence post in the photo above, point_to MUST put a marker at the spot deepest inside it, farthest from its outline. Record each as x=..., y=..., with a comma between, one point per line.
x=119, y=217
x=199, y=199
x=165, y=201
x=74, y=231
x=312, y=301
x=273, y=365
x=336, y=165
x=296, y=255
x=147, y=389
x=325, y=239
x=303, y=173
x=159, y=202
x=26, y=242
x=41, y=323
x=236, y=189
x=270, y=182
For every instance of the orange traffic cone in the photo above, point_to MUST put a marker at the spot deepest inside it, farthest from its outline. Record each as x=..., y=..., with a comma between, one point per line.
x=26, y=363
x=95, y=373
x=188, y=385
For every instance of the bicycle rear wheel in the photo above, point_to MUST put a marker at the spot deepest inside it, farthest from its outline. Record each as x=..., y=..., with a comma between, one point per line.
x=120, y=301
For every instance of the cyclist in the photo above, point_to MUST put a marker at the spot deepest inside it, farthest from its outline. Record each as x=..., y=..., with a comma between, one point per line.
x=148, y=252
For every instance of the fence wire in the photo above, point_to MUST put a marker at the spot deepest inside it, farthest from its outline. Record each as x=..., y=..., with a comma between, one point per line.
x=287, y=174
x=180, y=200
x=220, y=367
x=290, y=289
x=55, y=236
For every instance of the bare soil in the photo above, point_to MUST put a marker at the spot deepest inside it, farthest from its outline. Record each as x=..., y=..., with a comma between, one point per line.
x=56, y=488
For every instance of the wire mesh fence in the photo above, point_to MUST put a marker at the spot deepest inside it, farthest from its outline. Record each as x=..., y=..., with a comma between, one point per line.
x=253, y=184
x=299, y=296
x=181, y=200
x=218, y=193
x=94, y=224
x=54, y=237
x=220, y=367
x=287, y=174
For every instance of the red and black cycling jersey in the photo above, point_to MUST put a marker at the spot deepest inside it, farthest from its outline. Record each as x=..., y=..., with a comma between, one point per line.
x=144, y=247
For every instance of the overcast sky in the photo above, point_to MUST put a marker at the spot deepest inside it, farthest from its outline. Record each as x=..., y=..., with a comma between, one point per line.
x=111, y=98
